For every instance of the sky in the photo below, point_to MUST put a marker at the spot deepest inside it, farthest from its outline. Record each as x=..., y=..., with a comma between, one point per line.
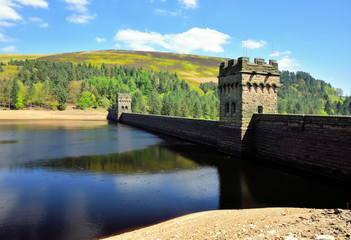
x=302, y=35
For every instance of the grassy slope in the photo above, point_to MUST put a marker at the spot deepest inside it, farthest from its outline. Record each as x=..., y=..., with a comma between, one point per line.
x=11, y=71
x=194, y=69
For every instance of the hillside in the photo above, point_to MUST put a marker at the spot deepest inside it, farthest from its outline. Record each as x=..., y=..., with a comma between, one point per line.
x=192, y=68
x=10, y=71
x=91, y=79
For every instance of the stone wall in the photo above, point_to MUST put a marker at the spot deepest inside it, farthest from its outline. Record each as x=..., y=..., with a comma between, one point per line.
x=197, y=130
x=319, y=144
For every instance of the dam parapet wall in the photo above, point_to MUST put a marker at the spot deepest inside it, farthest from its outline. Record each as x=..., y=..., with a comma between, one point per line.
x=318, y=144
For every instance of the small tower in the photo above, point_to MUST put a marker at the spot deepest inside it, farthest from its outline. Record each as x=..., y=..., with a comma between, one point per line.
x=246, y=88
x=124, y=103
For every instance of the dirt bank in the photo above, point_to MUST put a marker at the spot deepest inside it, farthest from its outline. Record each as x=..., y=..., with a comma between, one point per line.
x=57, y=115
x=266, y=223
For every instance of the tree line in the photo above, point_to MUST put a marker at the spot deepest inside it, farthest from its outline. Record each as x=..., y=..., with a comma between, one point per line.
x=300, y=93
x=54, y=85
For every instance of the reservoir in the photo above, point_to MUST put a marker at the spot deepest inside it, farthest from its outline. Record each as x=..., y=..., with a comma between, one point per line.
x=89, y=179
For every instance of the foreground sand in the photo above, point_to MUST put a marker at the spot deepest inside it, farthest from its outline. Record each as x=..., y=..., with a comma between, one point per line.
x=265, y=223
x=53, y=115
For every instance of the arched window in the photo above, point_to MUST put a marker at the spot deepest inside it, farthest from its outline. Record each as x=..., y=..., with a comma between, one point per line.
x=233, y=108
x=255, y=87
x=126, y=107
x=227, y=108
x=122, y=107
x=260, y=109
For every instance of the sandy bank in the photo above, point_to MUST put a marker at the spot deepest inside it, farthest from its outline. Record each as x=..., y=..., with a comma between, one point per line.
x=266, y=223
x=53, y=115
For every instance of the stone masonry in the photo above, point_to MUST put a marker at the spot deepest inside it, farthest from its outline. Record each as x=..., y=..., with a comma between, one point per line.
x=124, y=102
x=246, y=88
x=123, y=105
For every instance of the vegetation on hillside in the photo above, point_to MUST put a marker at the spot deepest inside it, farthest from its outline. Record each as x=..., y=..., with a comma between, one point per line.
x=192, y=68
x=300, y=93
x=53, y=85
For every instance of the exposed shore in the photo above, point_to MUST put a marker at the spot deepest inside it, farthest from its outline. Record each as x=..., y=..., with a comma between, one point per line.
x=265, y=223
x=53, y=115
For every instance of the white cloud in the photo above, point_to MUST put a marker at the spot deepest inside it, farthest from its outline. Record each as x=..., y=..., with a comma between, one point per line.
x=7, y=11
x=44, y=25
x=4, y=38
x=78, y=5
x=117, y=46
x=99, y=40
x=34, y=19
x=74, y=18
x=168, y=13
x=189, y=3
x=252, y=44
x=6, y=24
x=82, y=14
x=204, y=39
x=9, y=49
x=39, y=21
x=277, y=54
x=287, y=63
x=34, y=3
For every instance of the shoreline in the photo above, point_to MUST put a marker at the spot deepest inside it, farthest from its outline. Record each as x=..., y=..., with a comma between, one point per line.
x=262, y=223
x=53, y=115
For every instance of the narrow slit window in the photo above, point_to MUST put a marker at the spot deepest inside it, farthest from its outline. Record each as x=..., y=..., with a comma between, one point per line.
x=260, y=109
x=227, y=107
x=233, y=108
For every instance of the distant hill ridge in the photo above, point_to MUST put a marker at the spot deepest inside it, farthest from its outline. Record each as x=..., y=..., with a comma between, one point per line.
x=193, y=68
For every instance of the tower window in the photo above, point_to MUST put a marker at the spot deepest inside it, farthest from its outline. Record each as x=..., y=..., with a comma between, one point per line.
x=122, y=107
x=233, y=108
x=260, y=109
x=227, y=107
x=126, y=107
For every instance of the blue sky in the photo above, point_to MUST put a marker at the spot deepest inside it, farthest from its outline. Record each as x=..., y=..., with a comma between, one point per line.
x=303, y=35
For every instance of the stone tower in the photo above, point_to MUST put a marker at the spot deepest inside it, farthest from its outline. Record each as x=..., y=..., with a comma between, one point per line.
x=123, y=103
x=246, y=88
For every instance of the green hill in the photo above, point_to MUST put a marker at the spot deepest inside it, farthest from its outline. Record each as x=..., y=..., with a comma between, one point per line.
x=86, y=79
x=192, y=68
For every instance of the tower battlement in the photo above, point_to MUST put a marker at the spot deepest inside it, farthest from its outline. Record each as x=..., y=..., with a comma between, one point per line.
x=243, y=65
x=246, y=88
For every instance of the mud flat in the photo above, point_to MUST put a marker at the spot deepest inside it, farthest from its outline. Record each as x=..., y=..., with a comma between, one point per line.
x=53, y=115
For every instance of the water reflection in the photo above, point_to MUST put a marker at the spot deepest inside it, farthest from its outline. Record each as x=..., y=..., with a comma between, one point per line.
x=152, y=159
x=70, y=181
x=31, y=141
x=58, y=182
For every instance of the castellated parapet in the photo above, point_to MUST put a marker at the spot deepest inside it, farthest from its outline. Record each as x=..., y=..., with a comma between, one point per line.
x=246, y=88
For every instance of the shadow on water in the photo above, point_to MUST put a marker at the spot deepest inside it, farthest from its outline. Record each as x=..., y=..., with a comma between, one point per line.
x=250, y=183
x=243, y=183
x=108, y=178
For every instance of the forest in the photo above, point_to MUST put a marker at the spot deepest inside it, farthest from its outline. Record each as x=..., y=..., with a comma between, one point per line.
x=56, y=85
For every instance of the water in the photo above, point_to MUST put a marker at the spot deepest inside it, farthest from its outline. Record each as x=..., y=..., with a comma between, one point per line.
x=91, y=179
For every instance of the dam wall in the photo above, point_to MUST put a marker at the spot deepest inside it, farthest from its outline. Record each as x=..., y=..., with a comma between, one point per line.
x=321, y=144
x=196, y=130
x=318, y=144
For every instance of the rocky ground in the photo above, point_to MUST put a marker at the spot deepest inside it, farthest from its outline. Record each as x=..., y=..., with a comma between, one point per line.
x=266, y=223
